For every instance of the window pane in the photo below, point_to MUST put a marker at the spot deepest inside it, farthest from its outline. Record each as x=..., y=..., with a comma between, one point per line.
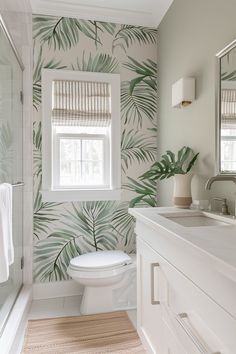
x=81, y=162
x=92, y=150
x=70, y=161
x=92, y=173
x=228, y=155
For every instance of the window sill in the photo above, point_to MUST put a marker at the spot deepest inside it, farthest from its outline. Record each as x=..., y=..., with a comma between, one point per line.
x=76, y=195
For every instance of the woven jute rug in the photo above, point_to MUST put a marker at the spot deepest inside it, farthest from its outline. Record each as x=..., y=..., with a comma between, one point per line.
x=93, y=334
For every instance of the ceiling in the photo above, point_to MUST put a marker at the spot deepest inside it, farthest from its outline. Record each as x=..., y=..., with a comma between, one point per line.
x=134, y=12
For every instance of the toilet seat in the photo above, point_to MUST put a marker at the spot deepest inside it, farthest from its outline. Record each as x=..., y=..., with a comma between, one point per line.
x=100, y=261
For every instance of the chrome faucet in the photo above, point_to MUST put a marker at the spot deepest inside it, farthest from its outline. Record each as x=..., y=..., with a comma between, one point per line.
x=221, y=178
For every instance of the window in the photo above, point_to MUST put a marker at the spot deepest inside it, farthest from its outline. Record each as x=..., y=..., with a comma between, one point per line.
x=80, y=136
x=228, y=127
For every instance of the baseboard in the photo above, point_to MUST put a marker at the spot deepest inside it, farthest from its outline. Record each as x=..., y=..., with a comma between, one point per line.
x=56, y=289
x=13, y=332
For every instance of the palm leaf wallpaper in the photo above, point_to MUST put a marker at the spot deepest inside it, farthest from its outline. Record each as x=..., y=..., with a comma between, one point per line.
x=64, y=230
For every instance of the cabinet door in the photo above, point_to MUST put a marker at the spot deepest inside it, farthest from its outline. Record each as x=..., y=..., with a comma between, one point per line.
x=148, y=298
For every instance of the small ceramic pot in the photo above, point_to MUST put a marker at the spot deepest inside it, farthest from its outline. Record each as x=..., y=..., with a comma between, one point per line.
x=182, y=197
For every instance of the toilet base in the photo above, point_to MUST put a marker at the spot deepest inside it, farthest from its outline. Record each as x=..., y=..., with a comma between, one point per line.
x=96, y=300
x=121, y=296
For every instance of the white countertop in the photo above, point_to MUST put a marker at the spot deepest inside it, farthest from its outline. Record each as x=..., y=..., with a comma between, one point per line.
x=218, y=242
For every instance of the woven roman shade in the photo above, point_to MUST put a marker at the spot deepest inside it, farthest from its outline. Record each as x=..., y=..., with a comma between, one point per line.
x=81, y=103
x=228, y=108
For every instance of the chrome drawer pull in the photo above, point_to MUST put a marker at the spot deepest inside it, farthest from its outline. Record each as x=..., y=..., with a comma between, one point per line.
x=153, y=301
x=181, y=319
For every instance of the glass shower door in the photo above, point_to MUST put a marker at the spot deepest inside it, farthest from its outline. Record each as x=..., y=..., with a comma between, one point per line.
x=11, y=163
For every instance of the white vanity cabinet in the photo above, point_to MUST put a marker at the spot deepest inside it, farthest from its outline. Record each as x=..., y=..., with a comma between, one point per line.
x=175, y=315
x=148, y=300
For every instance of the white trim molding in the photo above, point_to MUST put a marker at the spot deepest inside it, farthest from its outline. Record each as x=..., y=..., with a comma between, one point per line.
x=147, y=14
x=56, y=289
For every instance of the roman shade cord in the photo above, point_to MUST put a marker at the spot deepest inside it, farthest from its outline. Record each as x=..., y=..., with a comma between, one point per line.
x=81, y=103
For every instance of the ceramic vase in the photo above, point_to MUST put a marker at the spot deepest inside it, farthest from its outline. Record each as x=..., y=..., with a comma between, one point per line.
x=182, y=190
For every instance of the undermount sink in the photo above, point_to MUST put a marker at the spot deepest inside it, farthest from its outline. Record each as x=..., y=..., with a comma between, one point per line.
x=194, y=219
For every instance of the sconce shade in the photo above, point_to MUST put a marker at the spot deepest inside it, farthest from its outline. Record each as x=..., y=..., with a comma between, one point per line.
x=183, y=92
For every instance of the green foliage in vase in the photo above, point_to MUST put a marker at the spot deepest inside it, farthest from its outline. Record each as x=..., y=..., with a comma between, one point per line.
x=170, y=165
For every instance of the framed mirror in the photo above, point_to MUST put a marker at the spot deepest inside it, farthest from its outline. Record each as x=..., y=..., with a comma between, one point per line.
x=226, y=111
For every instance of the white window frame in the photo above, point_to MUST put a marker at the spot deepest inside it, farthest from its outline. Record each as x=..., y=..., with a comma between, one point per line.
x=49, y=192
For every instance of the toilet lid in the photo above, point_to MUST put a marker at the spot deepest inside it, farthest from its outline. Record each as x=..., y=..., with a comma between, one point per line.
x=100, y=260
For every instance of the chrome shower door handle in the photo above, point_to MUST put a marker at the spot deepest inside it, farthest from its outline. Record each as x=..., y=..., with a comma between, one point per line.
x=153, y=301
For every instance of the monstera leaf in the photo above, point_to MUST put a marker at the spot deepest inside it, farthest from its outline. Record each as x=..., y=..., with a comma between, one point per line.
x=170, y=166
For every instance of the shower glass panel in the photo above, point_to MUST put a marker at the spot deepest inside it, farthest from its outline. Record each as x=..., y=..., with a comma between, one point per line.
x=11, y=164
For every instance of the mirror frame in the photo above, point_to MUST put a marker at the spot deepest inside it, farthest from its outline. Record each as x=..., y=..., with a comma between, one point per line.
x=219, y=55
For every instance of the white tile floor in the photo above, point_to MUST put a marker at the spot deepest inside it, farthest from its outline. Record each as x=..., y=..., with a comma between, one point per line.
x=62, y=306
x=59, y=307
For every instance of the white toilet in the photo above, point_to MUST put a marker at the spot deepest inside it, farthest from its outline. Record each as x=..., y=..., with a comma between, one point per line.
x=109, y=278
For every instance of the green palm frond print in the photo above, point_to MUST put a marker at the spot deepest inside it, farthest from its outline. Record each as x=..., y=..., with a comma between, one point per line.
x=6, y=153
x=66, y=230
x=137, y=105
x=145, y=190
x=42, y=63
x=101, y=62
x=129, y=35
x=146, y=71
x=136, y=147
x=53, y=255
x=44, y=214
x=37, y=146
x=123, y=224
x=92, y=220
x=229, y=76
x=64, y=32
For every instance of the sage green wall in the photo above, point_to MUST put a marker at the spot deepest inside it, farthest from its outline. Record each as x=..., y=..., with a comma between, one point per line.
x=189, y=36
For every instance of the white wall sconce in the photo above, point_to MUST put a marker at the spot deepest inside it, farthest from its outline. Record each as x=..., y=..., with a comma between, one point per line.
x=183, y=92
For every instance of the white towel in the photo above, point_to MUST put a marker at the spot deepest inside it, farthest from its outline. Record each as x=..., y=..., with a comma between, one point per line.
x=6, y=241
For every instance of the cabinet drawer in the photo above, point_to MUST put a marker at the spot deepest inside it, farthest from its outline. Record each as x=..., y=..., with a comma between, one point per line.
x=201, y=324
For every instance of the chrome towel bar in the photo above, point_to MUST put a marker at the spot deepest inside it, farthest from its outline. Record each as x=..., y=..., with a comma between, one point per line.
x=18, y=184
